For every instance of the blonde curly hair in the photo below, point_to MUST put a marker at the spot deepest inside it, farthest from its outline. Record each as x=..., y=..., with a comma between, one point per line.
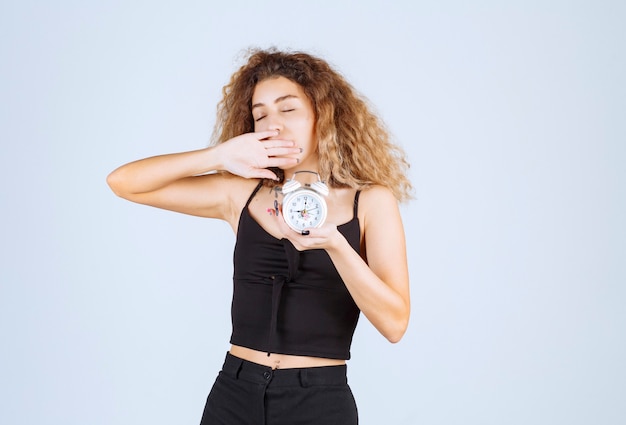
x=354, y=146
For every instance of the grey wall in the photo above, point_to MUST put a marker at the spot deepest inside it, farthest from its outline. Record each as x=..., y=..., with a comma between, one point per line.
x=512, y=114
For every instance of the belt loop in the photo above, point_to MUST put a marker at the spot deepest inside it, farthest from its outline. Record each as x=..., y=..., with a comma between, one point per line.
x=239, y=367
x=304, y=378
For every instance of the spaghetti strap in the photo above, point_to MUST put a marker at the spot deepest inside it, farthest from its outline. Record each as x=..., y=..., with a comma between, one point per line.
x=356, y=202
x=256, y=189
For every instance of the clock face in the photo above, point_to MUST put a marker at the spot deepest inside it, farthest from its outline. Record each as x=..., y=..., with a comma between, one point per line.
x=303, y=209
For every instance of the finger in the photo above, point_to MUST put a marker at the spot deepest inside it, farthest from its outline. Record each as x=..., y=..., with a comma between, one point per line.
x=277, y=143
x=280, y=151
x=262, y=173
x=265, y=134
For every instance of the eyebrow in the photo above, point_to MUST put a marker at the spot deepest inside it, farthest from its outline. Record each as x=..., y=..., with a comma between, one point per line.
x=277, y=100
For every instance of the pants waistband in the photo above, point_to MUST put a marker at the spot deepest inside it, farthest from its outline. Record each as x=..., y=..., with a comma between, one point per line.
x=238, y=368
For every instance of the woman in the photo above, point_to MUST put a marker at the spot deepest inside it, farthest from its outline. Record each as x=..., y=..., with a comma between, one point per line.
x=297, y=294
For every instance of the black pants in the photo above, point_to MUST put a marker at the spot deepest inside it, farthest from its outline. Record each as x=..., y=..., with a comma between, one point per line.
x=247, y=393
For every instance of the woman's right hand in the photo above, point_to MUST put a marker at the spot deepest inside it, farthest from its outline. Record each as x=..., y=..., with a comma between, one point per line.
x=250, y=154
x=183, y=181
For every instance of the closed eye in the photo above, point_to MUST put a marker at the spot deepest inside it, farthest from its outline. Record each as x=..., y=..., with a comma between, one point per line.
x=260, y=118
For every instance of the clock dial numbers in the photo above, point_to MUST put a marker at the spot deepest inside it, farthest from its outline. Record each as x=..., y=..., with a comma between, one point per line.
x=305, y=210
x=304, y=206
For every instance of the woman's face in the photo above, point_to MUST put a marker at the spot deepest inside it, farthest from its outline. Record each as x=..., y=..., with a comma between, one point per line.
x=280, y=104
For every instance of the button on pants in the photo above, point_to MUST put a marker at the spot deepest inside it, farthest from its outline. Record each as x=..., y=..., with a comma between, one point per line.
x=247, y=393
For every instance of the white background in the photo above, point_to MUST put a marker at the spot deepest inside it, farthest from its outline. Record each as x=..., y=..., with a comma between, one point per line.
x=512, y=114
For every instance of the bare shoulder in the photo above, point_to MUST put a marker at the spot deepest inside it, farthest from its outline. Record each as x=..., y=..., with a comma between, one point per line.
x=376, y=192
x=383, y=233
x=375, y=201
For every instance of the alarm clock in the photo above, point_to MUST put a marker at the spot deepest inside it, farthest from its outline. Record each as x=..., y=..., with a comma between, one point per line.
x=304, y=206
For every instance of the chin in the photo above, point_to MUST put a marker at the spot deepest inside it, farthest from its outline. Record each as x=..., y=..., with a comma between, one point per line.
x=290, y=167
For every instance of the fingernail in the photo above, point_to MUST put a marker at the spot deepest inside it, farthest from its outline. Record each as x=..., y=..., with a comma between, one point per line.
x=305, y=232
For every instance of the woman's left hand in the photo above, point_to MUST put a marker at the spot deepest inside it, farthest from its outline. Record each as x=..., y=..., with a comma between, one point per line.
x=317, y=237
x=379, y=283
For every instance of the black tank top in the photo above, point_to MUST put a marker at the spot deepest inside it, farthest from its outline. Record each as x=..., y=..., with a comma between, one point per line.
x=288, y=301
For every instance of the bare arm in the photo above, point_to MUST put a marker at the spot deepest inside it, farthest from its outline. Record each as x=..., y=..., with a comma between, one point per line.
x=179, y=182
x=380, y=286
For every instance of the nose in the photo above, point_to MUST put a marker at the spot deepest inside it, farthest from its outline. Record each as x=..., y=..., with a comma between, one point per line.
x=274, y=122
